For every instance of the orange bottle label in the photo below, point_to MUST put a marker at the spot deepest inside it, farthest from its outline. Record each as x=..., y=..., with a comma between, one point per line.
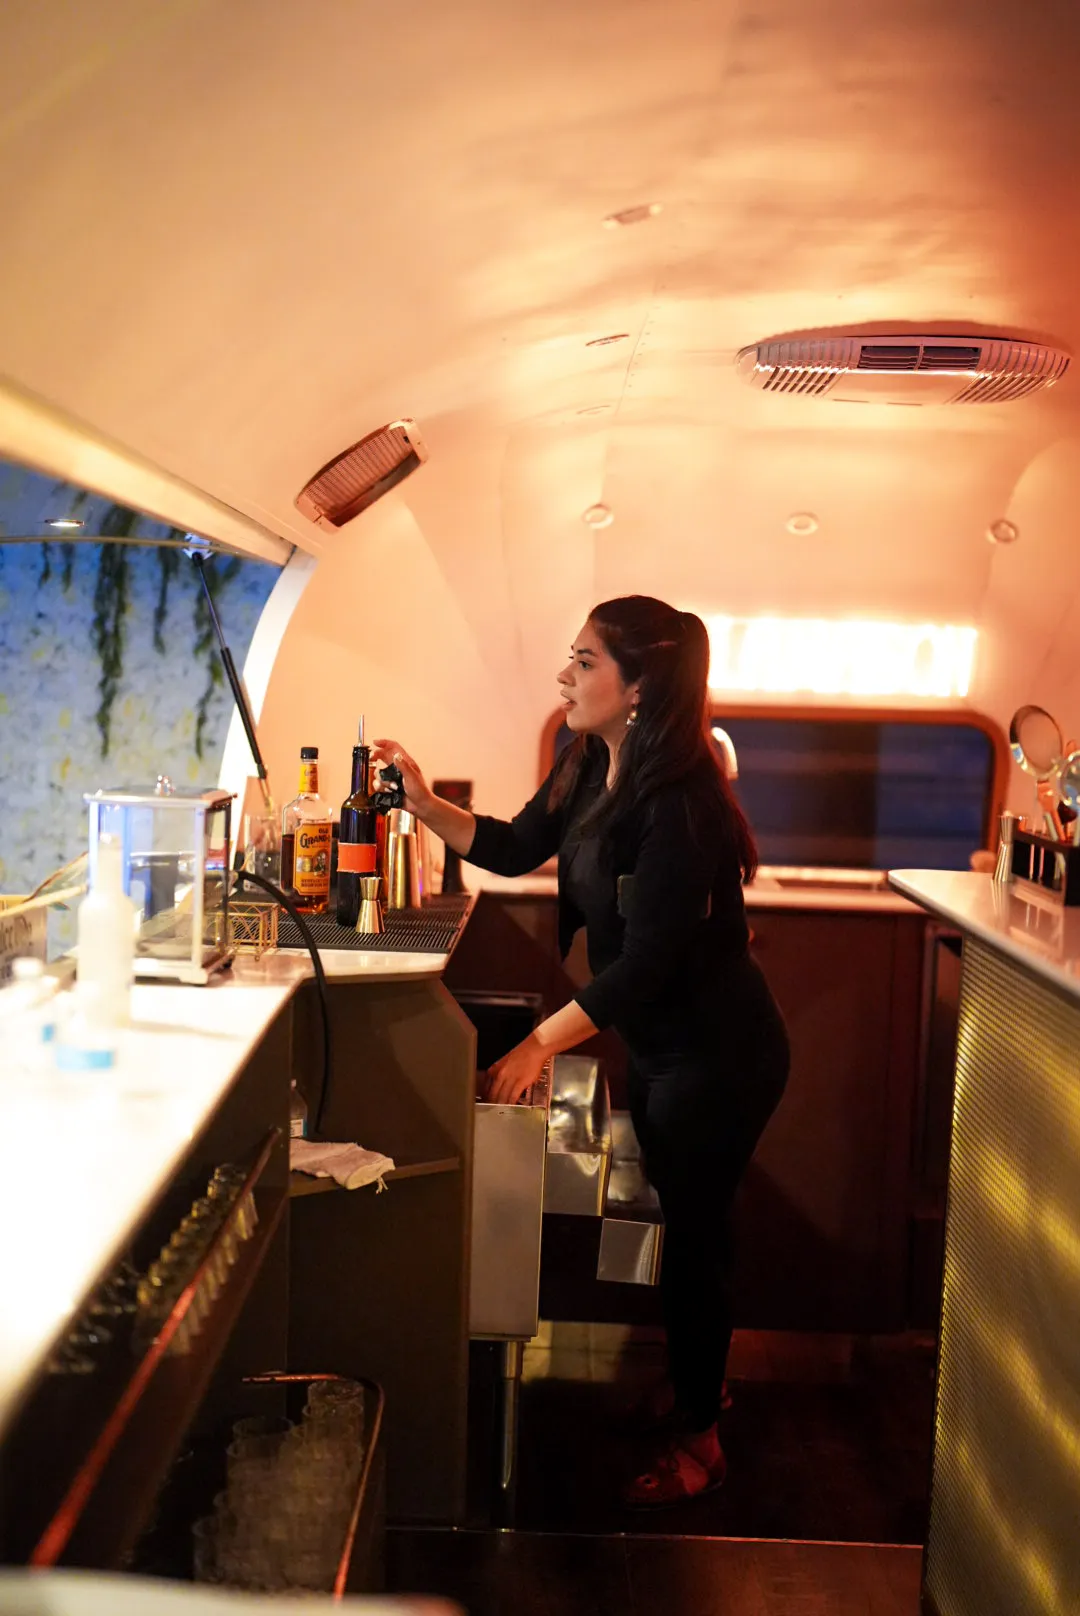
x=357, y=858
x=311, y=864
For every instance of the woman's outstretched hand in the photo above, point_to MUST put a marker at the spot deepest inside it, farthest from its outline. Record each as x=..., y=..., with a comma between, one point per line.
x=518, y=1071
x=418, y=795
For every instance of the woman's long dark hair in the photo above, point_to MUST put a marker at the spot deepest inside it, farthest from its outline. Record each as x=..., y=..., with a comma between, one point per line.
x=665, y=652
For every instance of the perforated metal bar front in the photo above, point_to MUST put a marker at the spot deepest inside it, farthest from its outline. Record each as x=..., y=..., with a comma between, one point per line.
x=1004, y=1532
x=431, y=930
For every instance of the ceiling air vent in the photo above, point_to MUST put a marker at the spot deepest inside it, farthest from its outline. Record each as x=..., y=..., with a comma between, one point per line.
x=359, y=476
x=903, y=370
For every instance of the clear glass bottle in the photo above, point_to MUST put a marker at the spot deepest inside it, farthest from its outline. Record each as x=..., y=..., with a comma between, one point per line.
x=298, y=1114
x=306, y=840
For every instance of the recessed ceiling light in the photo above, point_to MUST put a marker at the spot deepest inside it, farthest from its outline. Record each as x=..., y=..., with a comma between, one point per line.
x=64, y=522
x=802, y=523
x=602, y=342
x=598, y=516
x=638, y=215
x=1002, y=532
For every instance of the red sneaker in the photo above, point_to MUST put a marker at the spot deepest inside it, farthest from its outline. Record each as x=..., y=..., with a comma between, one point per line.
x=676, y=1475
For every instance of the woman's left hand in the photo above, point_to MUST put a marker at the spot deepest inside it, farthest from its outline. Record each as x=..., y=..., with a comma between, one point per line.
x=509, y=1078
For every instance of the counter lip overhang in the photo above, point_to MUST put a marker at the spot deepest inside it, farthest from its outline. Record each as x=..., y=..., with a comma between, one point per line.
x=1036, y=933
x=761, y=894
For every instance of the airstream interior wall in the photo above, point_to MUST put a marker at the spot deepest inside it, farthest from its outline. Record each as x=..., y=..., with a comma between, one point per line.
x=237, y=766
x=554, y=365
x=240, y=237
x=477, y=291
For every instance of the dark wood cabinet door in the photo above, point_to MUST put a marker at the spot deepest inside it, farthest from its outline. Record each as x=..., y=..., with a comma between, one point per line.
x=824, y=1211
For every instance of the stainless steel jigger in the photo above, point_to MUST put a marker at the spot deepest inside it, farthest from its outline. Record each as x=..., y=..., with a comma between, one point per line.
x=1003, y=872
x=370, y=919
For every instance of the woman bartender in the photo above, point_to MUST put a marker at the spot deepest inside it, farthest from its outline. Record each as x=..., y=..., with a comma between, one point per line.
x=652, y=851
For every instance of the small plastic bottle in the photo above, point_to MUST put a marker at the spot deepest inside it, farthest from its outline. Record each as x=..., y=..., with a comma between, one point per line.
x=29, y=1013
x=104, y=967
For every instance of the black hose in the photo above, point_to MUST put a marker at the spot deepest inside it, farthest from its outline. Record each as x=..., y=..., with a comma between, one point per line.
x=290, y=908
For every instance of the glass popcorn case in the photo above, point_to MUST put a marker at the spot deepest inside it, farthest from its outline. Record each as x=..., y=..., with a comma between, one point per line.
x=175, y=854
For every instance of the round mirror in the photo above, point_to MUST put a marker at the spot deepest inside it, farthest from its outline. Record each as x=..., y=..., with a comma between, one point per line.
x=1069, y=780
x=1035, y=741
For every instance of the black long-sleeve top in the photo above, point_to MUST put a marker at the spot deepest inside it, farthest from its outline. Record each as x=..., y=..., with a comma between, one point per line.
x=658, y=964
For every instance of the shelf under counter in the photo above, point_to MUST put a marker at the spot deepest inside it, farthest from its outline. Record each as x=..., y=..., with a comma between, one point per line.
x=301, y=1184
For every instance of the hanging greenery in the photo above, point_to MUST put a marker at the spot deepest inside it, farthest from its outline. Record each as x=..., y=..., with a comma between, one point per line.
x=112, y=591
x=217, y=575
x=74, y=505
x=110, y=611
x=168, y=567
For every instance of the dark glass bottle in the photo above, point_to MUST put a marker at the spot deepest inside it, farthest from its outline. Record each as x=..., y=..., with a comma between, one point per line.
x=357, y=836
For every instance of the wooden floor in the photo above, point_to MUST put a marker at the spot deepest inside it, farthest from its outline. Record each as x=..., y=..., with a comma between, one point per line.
x=828, y=1439
x=529, y=1574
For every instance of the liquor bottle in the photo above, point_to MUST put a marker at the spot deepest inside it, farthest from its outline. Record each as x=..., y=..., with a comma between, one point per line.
x=298, y=1113
x=358, y=853
x=306, y=832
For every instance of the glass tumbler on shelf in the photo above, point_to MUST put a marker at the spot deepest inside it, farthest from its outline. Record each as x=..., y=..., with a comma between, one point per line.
x=262, y=846
x=335, y=1406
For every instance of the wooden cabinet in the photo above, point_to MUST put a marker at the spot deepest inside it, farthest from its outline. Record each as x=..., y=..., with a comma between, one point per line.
x=825, y=1209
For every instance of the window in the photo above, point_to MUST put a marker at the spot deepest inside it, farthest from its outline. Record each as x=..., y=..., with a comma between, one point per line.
x=860, y=789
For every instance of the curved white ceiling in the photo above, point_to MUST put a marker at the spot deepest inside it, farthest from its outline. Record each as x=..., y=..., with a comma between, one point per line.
x=239, y=234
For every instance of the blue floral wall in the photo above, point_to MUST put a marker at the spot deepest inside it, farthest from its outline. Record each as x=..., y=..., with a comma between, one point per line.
x=51, y=741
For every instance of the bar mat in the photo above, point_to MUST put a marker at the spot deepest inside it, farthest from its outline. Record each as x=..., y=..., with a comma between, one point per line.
x=433, y=929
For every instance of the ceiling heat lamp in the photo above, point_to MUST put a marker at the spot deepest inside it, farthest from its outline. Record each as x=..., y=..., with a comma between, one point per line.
x=361, y=474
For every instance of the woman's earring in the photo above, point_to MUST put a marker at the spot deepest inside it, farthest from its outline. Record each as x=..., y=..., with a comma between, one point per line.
x=632, y=719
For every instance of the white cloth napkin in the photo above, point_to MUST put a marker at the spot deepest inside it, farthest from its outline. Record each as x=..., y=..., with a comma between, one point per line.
x=349, y=1164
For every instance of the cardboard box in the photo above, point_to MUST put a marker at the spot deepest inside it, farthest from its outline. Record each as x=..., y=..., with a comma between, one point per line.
x=22, y=931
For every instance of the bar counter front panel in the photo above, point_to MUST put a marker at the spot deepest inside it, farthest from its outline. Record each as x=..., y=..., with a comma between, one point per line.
x=378, y=1287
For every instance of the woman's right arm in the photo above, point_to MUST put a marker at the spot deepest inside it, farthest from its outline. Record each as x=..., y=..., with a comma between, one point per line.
x=507, y=847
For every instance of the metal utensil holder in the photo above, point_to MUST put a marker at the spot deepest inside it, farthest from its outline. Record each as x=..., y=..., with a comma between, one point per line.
x=1046, y=868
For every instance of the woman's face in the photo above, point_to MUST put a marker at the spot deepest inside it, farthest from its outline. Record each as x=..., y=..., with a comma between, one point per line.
x=595, y=699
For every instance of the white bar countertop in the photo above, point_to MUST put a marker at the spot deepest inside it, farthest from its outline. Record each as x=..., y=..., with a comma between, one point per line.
x=833, y=893
x=1033, y=931
x=88, y=1153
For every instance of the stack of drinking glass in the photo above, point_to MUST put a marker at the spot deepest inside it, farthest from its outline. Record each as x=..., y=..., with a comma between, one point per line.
x=221, y=1208
x=282, y=1518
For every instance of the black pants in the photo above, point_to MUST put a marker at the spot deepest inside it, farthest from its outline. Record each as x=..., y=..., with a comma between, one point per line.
x=698, y=1113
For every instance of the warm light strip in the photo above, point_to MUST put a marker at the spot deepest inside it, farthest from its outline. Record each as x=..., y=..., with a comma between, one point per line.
x=844, y=656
